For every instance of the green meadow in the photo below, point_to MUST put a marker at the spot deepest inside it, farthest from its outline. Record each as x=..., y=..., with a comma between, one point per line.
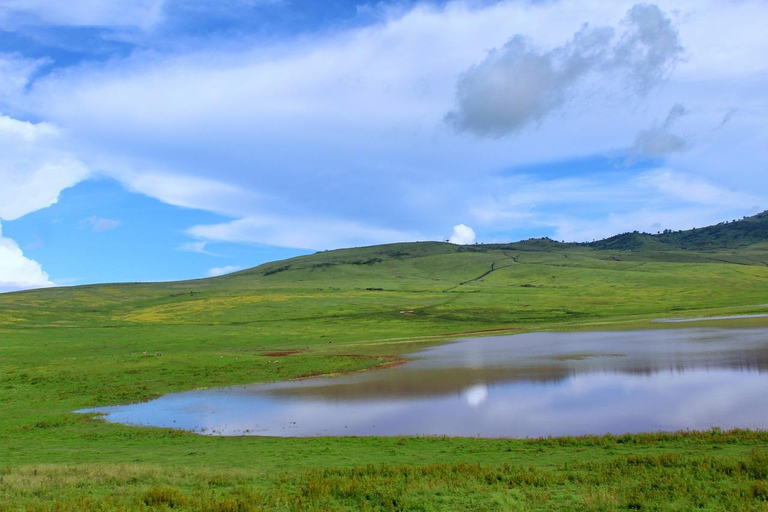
x=66, y=349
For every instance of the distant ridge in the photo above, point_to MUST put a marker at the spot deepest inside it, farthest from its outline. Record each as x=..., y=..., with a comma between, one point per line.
x=731, y=241
x=725, y=235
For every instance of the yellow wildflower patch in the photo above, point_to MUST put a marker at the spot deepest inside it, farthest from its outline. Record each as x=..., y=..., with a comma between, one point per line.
x=193, y=309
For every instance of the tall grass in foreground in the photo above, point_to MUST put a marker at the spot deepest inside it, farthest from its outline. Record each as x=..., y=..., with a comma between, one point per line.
x=670, y=481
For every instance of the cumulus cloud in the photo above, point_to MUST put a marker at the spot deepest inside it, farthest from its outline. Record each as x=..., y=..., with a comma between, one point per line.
x=34, y=168
x=462, y=235
x=658, y=141
x=220, y=271
x=519, y=85
x=18, y=272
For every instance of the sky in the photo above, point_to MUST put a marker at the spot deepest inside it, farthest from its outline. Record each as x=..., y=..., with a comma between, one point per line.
x=150, y=140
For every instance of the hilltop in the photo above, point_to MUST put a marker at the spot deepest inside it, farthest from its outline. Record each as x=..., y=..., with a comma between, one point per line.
x=739, y=241
x=733, y=235
x=447, y=288
x=442, y=267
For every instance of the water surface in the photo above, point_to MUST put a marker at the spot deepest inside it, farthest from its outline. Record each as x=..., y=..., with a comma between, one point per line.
x=707, y=318
x=526, y=385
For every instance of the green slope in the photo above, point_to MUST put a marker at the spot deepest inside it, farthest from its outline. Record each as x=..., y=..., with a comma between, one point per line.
x=734, y=235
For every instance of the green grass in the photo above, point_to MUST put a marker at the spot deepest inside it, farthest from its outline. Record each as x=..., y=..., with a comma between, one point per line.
x=71, y=348
x=708, y=470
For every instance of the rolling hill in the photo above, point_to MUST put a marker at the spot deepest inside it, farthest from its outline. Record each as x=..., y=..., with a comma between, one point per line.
x=515, y=284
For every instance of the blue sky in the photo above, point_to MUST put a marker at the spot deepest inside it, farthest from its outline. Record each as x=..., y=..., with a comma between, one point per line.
x=135, y=236
x=172, y=139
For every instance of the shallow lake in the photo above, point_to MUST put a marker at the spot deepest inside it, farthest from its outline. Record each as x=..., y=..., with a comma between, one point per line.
x=526, y=385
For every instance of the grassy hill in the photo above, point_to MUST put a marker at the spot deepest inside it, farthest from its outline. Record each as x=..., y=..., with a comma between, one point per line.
x=64, y=349
x=734, y=235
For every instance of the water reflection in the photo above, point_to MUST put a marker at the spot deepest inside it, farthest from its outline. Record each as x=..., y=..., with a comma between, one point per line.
x=510, y=386
x=476, y=395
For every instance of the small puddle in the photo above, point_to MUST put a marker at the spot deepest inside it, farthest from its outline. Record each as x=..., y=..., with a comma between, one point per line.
x=526, y=385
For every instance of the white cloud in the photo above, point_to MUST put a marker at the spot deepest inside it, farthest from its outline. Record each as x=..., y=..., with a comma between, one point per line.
x=33, y=168
x=141, y=13
x=374, y=88
x=33, y=171
x=15, y=73
x=462, y=235
x=532, y=198
x=687, y=188
x=299, y=233
x=18, y=272
x=220, y=271
x=198, y=247
x=598, y=206
x=191, y=192
x=737, y=55
x=348, y=125
x=648, y=220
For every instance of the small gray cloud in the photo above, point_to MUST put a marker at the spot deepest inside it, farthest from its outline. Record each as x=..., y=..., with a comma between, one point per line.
x=519, y=85
x=649, y=49
x=658, y=140
x=727, y=117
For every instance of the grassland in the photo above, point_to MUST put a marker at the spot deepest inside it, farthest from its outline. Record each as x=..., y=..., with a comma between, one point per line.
x=70, y=348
